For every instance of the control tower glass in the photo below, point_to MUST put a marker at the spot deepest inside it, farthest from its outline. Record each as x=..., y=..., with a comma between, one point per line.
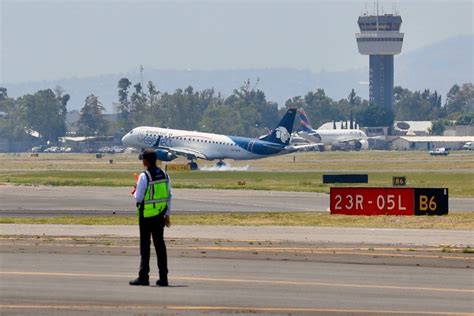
x=380, y=38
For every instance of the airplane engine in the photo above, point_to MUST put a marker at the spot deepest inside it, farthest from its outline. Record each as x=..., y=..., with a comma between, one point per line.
x=362, y=144
x=164, y=155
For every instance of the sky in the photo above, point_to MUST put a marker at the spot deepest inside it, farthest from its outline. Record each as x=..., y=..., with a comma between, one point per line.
x=48, y=40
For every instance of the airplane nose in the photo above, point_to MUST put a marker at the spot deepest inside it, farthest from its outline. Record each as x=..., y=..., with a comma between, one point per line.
x=125, y=139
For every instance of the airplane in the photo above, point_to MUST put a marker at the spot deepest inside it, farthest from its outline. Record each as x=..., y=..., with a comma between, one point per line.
x=334, y=137
x=171, y=143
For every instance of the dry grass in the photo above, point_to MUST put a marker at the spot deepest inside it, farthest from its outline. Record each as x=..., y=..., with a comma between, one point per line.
x=455, y=171
x=453, y=221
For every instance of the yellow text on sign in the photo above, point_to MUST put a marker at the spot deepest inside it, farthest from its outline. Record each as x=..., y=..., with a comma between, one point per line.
x=177, y=167
x=427, y=203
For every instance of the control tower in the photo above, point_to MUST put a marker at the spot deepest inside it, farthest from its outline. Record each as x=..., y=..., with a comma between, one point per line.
x=380, y=38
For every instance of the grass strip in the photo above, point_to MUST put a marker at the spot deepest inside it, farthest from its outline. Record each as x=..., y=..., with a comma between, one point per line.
x=453, y=221
x=459, y=184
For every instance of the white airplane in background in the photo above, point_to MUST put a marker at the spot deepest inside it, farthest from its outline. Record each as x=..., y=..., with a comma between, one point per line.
x=332, y=137
x=171, y=143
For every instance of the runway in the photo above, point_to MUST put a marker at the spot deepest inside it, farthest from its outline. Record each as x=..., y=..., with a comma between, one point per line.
x=89, y=276
x=59, y=201
x=84, y=270
x=50, y=201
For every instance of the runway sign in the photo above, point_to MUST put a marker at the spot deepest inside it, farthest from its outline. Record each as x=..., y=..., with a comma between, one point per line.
x=388, y=201
x=399, y=181
x=345, y=178
x=431, y=201
x=177, y=167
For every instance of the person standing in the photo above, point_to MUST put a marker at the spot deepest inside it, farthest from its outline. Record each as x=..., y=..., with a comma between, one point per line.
x=153, y=200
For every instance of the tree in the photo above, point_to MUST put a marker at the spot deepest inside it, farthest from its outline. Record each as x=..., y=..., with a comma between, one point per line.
x=222, y=119
x=417, y=105
x=321, y=108
x=375, y=115
x=256, y=113
x=11, y=118
x=437, y=127
x=124, y=107
x=45, y=112
x=91, y=121
x=460, y=99
x=139, y=106
x=3, y=94
x=465, y=119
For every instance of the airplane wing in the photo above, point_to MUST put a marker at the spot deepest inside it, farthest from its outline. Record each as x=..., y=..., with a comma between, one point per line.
x=188, y=152
x=293, y=148
x=349, y=139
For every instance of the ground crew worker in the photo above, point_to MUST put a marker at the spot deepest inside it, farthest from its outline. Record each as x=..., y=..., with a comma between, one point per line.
x=153, y=200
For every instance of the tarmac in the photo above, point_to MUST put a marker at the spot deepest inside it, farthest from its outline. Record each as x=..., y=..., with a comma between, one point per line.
x=410, y=237
x=60, y=201
x=214, y=270
x=77, y=270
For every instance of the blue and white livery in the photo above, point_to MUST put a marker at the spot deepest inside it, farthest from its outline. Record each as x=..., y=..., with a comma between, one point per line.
x=171, y=143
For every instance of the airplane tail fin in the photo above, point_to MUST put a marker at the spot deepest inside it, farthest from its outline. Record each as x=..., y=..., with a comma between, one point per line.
x=282, y=132
x=305, y=125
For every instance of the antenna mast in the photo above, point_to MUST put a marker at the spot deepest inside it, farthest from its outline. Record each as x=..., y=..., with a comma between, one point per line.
x=377, y=15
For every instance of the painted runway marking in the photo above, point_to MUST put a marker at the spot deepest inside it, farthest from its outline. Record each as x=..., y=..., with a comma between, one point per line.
x=255, y=281
x=230, y=309
x=305, y=310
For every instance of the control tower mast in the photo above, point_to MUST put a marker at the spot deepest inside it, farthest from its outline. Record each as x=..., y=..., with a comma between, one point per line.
x=380, y=38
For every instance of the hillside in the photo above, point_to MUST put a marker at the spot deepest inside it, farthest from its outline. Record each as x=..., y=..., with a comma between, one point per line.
x=436, y=67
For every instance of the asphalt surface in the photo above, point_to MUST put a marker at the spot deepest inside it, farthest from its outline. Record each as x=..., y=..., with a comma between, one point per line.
x=58, y=201
x=394, y=237
x=89, y=276
x=84, y=270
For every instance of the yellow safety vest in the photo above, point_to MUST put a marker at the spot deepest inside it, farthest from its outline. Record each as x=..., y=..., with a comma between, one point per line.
x=156, y=197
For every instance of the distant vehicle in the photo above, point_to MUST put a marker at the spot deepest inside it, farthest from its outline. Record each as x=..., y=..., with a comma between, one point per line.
x=117, y=149
x=52, y=149
x=439, y=152
x=37, y=149
x=337, y=138
x=468, y=146
x=130, y=150
x=106, y=150
x=111, y=150
x=169, y=143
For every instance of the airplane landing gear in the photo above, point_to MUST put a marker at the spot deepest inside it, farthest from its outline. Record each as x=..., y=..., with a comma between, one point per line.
x=193, y=165
x=220, y=164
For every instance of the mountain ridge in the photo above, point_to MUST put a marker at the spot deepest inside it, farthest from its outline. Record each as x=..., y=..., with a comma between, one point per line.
x=436, y=67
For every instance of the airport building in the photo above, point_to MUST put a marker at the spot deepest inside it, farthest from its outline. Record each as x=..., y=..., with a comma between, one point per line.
x=380, y=38
x=430, y=142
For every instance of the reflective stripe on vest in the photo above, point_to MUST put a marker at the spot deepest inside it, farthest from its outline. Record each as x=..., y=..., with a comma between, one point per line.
x=156, y=197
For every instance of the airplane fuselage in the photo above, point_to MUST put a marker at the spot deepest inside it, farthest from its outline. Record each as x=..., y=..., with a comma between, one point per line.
x=212, y=146
x=336, y=136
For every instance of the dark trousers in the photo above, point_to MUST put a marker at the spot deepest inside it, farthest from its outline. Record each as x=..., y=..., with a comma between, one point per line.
x=153, y=226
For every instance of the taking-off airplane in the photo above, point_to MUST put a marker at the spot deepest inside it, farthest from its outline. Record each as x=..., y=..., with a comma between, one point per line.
x=171, y=143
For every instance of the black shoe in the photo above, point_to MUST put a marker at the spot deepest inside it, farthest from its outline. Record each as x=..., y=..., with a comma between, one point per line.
x=161, y=282
x=139, y=281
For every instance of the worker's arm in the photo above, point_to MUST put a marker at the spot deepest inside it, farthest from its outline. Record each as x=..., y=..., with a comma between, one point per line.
x=141, y=188
x=168, y=210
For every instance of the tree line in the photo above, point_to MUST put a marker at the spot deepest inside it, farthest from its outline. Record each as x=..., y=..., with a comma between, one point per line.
x=245, y=112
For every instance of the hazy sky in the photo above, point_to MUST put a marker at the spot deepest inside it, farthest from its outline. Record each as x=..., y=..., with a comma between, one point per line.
x=43, y=40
